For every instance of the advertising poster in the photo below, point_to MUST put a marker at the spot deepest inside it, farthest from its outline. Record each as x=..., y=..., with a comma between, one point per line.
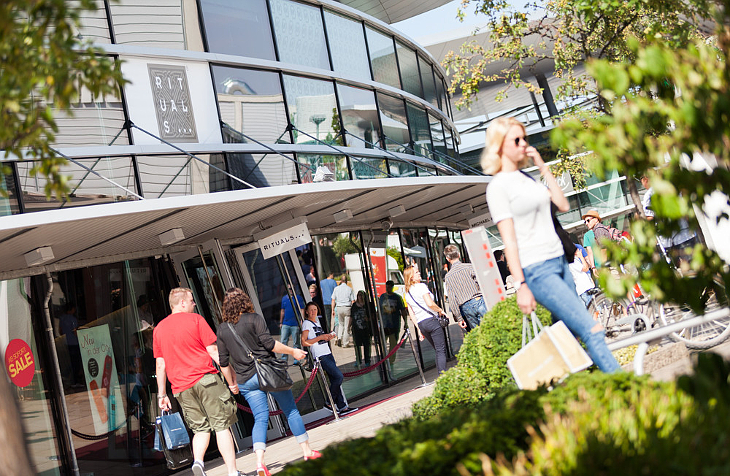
x=105, y=396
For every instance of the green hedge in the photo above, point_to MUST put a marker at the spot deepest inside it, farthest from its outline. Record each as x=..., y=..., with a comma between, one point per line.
x=482, y=367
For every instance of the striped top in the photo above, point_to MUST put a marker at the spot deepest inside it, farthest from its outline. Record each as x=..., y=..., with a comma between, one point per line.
x=461, y=281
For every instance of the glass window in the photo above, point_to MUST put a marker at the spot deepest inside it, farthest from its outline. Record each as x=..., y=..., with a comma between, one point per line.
x=251, y=102
x=175, y=175
x=9, y=198
x=437, y=135
x=441, y=93
x=409, y=70
x=429, y=86
x=395, y=123
x=382, y=58
x=91, y=122
x=238, y=28
x=347, y=46
x=368, y=168
x=359, y=116
x=85, y=188
x=419, y=127
x=309, y=165
x=94, y=25
x=312, y=110
x=158, y=24
x=401, y=168
x=299, y=34
x=265, y=170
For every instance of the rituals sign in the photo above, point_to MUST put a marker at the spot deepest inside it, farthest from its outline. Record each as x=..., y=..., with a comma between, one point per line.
x=171, y=96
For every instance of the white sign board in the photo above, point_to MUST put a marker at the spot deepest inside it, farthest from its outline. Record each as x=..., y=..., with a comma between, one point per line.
x=476, y=243
x=284, y=240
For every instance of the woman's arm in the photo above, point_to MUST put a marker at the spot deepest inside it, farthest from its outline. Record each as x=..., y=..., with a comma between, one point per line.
x=583, y=262
x=280, y=348
x=307, y=342
x=556, y=193
x=412, y=316
x=230, y=376
x=432, y=305
x=525, y=299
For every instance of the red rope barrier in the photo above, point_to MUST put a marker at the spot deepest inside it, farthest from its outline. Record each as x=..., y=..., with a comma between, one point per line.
x=376, y=364
x=279, y=412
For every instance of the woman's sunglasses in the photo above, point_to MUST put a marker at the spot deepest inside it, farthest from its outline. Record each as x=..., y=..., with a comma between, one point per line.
x=517, y=140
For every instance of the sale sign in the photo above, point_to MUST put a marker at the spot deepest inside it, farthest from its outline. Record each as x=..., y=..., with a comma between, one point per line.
x=19, y=362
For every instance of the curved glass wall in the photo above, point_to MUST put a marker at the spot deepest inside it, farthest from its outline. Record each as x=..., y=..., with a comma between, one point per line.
x=359, y=116
x=238, y=28
x=158, y=24
x=312, y=110
x=395, y=122
x=261, y=170
x=420, y=130
x=347, y=45
x=409, y=74
x=382, y=58
x=176, y=175
x=429, y=85
x=299, y=34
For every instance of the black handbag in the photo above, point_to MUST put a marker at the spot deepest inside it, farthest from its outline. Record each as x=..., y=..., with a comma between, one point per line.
x=171, y=437
x=443, y=320
x=272, y=372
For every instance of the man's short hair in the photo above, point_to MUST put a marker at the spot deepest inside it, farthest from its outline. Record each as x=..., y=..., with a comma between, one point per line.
x=389, y=284
x=498, y=255
x=452, y=252
x=177, y=295
x=343, y=279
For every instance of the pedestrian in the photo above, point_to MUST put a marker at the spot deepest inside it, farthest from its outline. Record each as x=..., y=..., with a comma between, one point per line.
x=185, y=348
x=240, y=372
x=327, y=286
x=583, y=280
x=423, y=312
x=288, y=321
x=520, y=207
x=360, y=323
x=392, y=311
x=314, y=337
x=342, y=298
x=465, y=296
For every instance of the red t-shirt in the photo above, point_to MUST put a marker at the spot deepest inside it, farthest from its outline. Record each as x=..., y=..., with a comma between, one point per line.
x=181, y=339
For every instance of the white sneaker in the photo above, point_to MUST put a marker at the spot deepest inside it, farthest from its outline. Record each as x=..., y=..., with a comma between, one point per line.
x=198, y=469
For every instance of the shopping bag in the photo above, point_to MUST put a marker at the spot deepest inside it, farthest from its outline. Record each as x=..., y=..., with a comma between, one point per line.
x=167, y=434
x=554, y=353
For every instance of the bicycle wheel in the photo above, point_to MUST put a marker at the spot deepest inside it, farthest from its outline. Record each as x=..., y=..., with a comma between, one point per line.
x=605, y=311
x=705, y=336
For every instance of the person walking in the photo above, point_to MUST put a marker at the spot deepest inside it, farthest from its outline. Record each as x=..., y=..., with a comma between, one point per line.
x=342, y=298
x=239, y=369
x=361, y=323
x=465, y=297
x=314, y=337
x=520, y=207
x=392, y=310
x=288, y=321
x=327, y=286
x=185, y=348
x=423, y=312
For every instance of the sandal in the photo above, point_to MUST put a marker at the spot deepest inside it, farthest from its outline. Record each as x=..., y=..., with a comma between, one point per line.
x=262, y=470
x=315, y=454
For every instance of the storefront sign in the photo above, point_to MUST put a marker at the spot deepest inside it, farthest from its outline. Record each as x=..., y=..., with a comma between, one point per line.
x=171, y=99
x=481, y=220
x=100, y=370
x=19, y=362
x=476, y=243
x=284, y=240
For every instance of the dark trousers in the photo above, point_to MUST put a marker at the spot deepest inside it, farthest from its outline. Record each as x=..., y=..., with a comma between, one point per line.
x=434, y=334
x=335, y=375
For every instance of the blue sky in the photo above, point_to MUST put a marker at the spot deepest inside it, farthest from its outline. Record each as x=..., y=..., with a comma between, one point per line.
x=439, y=20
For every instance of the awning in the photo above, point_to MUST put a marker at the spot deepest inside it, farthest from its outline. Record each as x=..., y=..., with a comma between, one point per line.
x=98, y=234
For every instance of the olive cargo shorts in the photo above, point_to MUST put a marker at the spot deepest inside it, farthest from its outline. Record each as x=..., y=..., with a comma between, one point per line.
x=208, y=405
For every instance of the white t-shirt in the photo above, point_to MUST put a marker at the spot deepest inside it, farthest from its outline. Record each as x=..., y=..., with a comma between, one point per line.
x=583, y=282
x=527, y=203
x=315, y=329
x=414, y=297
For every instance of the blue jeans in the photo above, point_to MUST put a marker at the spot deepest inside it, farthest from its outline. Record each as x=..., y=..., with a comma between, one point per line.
x=587, y=298
x=335, y=375
x=552, y=285
x=434, y=334
x=286, y=333
x=259, y=405
x=473, y=310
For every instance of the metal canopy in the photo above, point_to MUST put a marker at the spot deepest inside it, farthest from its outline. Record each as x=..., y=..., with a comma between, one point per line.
x=393, y=11
x=92, y=235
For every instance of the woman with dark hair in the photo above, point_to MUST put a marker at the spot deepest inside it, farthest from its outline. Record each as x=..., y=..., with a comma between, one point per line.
x=424, y=312
x=520, y=207
x=314, y=337
x=238, y=311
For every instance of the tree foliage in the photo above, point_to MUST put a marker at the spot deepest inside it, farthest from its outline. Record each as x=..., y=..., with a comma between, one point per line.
x=44, y=66
x=565, y=34
x=669, y=119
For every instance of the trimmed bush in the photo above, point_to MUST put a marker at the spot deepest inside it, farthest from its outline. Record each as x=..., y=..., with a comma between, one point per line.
x=482, y=367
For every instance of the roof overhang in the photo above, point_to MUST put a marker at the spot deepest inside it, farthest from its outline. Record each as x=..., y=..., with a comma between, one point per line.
x=92, y=235
x=393, y=11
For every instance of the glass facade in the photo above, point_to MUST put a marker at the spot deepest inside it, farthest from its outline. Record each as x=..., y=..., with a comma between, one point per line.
x=427, y=80
x=395, y=122
x=382, y=58
x=175, y=175
x=409, y=74
x=359, y=116
x=312, y=110
x=347, y=45
x=238, y=28
x=420, y=130
x=299, y=34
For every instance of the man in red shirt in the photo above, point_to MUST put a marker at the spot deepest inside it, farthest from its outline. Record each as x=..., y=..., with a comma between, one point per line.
x=184, y=346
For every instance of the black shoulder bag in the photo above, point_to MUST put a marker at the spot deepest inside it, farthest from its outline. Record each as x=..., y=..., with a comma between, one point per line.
x=443, y=320
x=273, y=374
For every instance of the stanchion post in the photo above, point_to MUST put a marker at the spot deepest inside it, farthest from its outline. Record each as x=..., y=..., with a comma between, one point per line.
x=415, y=355
x=329, y=394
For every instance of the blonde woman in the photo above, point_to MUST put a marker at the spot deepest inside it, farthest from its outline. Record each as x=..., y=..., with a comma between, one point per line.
x=423, y=312
x=520, y=207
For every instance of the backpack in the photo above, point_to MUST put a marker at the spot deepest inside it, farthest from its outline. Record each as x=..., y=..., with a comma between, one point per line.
x=602, y=232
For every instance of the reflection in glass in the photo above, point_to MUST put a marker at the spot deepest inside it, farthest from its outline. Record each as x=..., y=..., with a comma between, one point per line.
x=409, y=70
x=382, y=58
x=449, y=140
x=359, y=116
x=401, y=168
x=299, y=34
x=440, y=92
x=238, y=28
x=437, y=135
x=419, y=127
x=394, y=121
x=347, y=46
x=368, y=168
x=94, y=25
x=156, y=24
x=429, y=86
x=176, y=175
x=312, y=110
x=335, y=164
x=90, y=122
x=250, y=101
x=85, y=188
x=9, y=197
x=267, y=170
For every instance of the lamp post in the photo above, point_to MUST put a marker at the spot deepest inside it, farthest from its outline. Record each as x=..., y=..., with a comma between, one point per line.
x=317, y=119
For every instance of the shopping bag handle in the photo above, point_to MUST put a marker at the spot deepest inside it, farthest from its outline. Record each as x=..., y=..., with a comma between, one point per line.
x=527, y=333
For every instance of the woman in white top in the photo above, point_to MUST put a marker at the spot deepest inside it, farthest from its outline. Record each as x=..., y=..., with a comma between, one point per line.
x=520, y=207
x=423, y=312
x=583, y=282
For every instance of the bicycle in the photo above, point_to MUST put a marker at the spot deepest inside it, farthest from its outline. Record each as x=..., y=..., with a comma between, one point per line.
x=623, y=315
